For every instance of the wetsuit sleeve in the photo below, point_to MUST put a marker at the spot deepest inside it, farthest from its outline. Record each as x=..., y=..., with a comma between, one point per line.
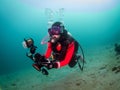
x=48, y=51
x=68, y=56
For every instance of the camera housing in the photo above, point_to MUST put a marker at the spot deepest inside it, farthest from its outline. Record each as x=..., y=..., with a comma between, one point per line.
x=29, y=42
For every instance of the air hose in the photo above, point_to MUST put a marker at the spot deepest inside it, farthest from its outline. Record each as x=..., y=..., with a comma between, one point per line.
x=81, y=67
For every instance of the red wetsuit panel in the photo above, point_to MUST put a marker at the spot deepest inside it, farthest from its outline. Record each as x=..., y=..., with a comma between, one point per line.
x=68, y=56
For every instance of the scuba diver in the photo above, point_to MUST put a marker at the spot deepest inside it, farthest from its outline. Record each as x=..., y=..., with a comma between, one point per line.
x=62, y=48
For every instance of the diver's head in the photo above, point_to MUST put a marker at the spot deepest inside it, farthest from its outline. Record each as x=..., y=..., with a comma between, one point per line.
x=54, y=38
x=55, y=31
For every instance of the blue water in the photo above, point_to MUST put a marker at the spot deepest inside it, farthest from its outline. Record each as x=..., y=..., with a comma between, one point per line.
x=92, y=24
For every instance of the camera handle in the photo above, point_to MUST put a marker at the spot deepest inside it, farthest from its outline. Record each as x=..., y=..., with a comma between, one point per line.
x=33, y=49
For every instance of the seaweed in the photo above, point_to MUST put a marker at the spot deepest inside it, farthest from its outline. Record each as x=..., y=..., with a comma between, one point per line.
x=13, y=84
x=116, y=69
x=117, y=49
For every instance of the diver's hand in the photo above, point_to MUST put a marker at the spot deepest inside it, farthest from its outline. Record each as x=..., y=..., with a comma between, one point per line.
x=50, y=66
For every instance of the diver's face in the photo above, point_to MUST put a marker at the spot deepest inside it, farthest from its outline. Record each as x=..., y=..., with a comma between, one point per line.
x=54, y=38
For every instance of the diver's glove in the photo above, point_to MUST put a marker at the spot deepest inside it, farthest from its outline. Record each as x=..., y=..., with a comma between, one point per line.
x=52, y=64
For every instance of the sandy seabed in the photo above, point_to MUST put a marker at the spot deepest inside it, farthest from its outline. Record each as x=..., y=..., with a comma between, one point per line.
x=101, y=72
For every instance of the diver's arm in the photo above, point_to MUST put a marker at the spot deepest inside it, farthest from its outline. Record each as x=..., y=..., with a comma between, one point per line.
x=48, y=51
x=68, y=56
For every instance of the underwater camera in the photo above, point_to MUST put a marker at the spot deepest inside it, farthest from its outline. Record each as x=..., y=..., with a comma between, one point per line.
x=29, y=43
x=36, y=57
x=40, y=61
